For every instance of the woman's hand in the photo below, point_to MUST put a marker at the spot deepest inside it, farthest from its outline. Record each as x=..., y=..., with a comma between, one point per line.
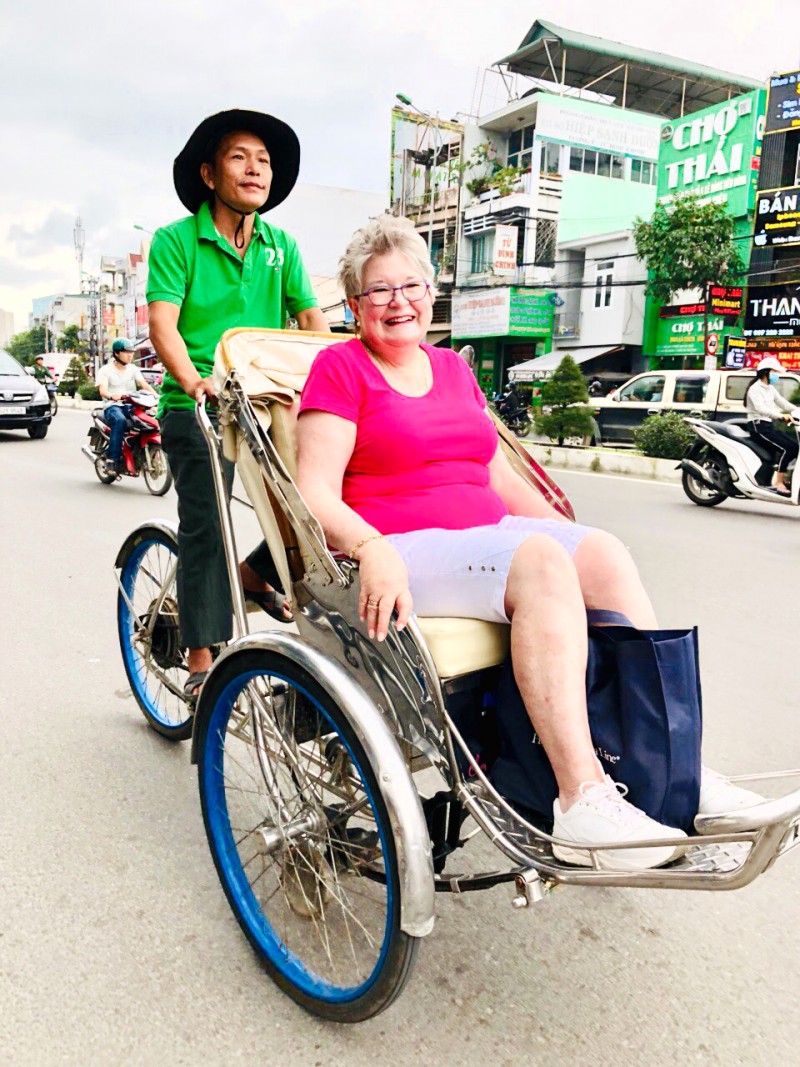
x=384, y=587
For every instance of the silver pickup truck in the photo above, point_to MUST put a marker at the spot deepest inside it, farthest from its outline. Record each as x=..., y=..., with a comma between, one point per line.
x=715, y=394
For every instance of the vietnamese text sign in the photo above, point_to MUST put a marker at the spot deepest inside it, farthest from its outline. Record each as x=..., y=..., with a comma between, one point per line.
x=783, y=105
x=777, y=220
x=481, y=313
x=531, y=313
x=505, y=249
x=622, y=137
x=685, y=337
x=726, y=300
x=772, y=311
x=714, y=153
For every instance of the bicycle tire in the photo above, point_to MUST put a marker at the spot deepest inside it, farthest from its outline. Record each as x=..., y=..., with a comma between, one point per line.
x=326, y=857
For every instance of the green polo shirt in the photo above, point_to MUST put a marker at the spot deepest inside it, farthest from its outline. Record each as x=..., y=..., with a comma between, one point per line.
x=193, y=266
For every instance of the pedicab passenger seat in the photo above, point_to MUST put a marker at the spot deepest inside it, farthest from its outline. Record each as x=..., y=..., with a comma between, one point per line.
x=457, y=646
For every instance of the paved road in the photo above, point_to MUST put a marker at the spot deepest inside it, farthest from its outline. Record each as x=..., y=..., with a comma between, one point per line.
x=117, y=946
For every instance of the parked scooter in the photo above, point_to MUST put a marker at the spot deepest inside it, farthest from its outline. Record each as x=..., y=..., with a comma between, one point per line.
x=512, y=407
x=141, y=446
x=726, y=461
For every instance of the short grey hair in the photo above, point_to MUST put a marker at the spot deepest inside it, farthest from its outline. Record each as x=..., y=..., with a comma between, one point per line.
x=386, y=233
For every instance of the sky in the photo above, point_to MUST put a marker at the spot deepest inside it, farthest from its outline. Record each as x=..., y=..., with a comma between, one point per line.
x=100, y=98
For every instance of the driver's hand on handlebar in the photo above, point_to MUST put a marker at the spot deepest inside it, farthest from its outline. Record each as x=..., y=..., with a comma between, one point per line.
x=205, y=392
x=384, y=587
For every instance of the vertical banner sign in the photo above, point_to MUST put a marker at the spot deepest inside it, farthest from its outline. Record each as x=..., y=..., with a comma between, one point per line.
x=505, y=249
x=783, y=106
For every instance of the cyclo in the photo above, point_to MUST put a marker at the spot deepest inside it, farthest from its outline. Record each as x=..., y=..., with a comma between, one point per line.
x=337, y=789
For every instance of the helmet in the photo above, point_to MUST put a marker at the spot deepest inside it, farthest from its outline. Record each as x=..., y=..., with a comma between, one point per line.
x=122, y=344
x=769, y=363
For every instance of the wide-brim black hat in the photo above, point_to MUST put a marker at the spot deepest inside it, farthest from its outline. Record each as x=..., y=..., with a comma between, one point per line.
x=281, y=142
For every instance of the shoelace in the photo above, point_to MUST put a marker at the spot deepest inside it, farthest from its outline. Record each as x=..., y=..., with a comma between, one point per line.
x=608, y=797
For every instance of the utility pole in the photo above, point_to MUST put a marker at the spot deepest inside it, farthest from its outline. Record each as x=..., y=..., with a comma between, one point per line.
x=79, y=240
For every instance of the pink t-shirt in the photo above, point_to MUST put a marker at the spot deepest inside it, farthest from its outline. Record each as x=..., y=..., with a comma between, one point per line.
x=418, y=462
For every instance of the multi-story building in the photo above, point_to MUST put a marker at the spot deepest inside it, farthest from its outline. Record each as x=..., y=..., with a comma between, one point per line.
x=548, y=185
x=6, y=327
x=714, y=153
x=772, y=304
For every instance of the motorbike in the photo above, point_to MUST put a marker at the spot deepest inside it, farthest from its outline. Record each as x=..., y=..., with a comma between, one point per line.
x=141, y=446
x=726, y=461
x=52, y=390
x=512, y=407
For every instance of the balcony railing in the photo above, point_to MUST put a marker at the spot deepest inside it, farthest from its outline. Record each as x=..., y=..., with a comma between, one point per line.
x=567, y=324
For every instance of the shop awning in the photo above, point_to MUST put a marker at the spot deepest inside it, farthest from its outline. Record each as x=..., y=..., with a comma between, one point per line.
x=543, y=366
x=435, y=337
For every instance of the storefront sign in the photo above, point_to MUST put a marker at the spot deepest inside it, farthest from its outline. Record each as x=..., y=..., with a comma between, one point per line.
x=686, y=337
x=714, y=153
x=772, y=311
x=734, y=351
x=622, y=137
x=783, y=107
x=531, y=313
x=725, y=300
x=505, y=249
x=777, y=220
x=481, y=313
x=784, y=349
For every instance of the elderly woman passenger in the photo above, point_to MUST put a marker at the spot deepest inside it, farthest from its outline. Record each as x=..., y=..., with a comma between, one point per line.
x=400, y=463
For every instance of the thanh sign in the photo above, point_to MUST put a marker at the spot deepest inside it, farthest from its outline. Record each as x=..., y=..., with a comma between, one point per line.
x=783, y=103
x=777, y=220
x=772, y=311
x=714, y=153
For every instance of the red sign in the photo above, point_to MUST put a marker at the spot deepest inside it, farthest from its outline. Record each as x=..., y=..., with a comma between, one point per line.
x=785, y=349
x=726, y=300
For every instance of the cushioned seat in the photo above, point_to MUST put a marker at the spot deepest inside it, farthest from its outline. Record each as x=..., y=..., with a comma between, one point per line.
x=462, y=645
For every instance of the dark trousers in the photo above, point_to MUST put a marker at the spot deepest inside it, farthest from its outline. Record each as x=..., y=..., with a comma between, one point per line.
x=117, y=417
x=204, y=593
x=774, y=438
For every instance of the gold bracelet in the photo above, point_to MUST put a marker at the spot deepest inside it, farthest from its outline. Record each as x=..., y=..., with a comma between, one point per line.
x=361, y=543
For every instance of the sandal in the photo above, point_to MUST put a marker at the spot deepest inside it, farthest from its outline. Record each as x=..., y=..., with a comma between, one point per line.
x=193, y=685
x=272, y=602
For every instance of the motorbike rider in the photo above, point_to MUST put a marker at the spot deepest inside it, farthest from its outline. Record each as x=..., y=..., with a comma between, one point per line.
x=764, y=404
x=115, y=380
x=41, y=372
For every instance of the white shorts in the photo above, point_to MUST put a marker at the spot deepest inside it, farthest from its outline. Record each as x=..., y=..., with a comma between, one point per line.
x=463, y=573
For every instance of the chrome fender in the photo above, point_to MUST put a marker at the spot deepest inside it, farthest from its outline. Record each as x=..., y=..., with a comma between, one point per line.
x=164, y=526
x=411, y=837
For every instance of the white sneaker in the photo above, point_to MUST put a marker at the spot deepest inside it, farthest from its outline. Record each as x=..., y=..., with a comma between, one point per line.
x=603, y=816
x=718, y=795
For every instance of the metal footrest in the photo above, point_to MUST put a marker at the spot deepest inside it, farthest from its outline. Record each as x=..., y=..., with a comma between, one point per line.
x=723, y=861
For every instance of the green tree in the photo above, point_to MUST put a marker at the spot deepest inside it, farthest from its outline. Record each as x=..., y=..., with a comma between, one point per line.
x=664, y=436
x=28, y=344
x=560, y=417
x=73, y=377
x=70, y=342
x=687, y=245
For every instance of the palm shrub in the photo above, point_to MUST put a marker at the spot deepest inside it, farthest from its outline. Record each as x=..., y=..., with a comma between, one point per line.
x=561, y=416
x=664, y=436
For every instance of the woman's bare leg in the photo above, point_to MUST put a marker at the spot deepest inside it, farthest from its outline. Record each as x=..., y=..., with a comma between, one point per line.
x=548, y=650
x=609, y=579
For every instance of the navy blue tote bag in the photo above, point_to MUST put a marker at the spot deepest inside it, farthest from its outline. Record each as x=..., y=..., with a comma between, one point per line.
x=645, y=716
